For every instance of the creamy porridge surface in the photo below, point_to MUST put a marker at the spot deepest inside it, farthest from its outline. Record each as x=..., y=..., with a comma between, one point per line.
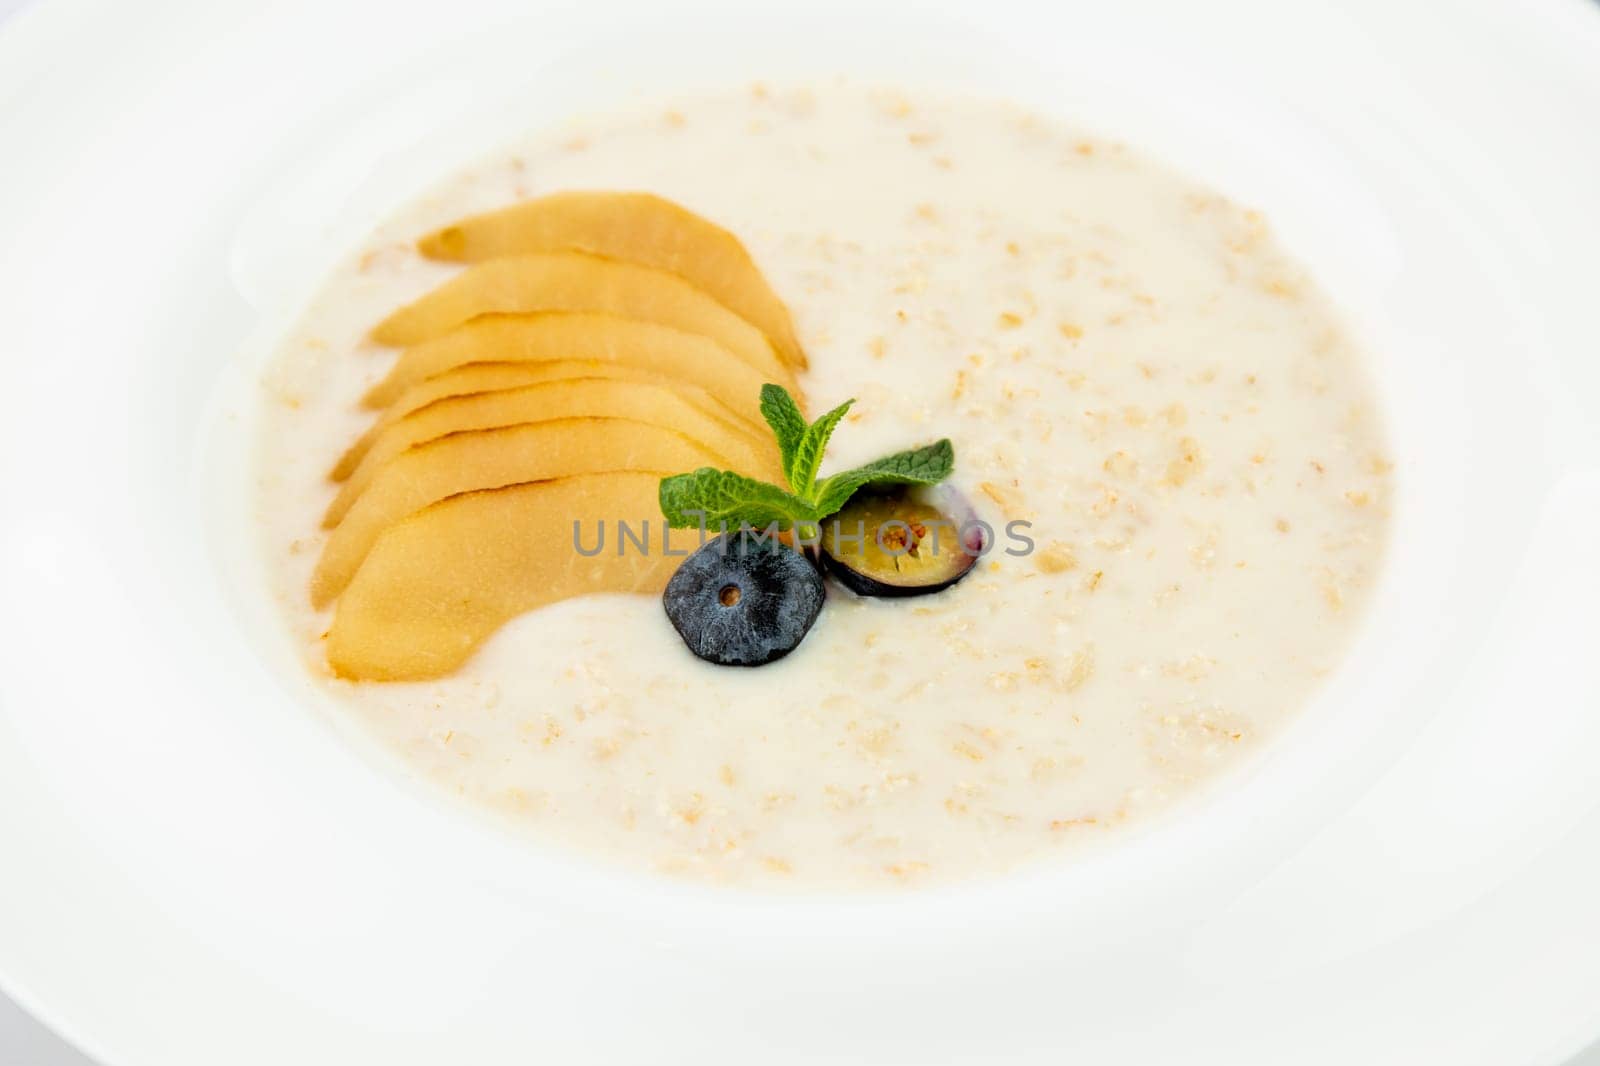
x=1121, y=358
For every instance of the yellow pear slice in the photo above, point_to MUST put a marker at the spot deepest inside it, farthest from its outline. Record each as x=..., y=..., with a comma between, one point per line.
x=576, y=398
x=490, y=459
x=494, y=377
x=634, y=227
x=441, y=581
x=601, y=338
x=574, y=281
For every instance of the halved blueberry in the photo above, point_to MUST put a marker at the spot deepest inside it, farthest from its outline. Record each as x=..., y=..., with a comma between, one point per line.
x=743, y=599
x=902, y=542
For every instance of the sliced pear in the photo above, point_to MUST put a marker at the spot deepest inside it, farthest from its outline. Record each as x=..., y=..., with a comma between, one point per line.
x=441, y=581
x=577, y=398
x=490, y=459
x=602, y=338
x=636, y=228
x=495, y=377
x=575, y=281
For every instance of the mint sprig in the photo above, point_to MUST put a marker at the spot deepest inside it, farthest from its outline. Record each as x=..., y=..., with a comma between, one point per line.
x=711, y=498
x=927, y=465
x=788, y=425
x=722, y=497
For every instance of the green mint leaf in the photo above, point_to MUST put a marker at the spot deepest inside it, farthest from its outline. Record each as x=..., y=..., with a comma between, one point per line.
x=709, y=498
x=808, y=456
x=788, y=425
x=713, y=499
x=927, y=465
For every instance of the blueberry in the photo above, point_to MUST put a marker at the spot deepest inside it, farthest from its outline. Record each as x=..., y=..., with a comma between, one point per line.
x=743, y=599
x=902, y=543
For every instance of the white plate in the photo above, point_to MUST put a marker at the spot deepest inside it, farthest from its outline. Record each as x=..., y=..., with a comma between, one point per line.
x=198, y=869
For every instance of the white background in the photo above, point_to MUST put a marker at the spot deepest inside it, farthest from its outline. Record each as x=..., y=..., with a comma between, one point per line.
x=25, y=1043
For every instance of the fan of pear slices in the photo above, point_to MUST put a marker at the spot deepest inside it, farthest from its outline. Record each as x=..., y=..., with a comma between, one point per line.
x=594, y=343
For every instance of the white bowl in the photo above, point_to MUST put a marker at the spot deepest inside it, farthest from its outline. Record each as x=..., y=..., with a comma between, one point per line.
x=201, y=867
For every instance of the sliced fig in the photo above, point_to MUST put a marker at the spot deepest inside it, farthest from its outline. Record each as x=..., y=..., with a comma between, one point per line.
x=903, y=542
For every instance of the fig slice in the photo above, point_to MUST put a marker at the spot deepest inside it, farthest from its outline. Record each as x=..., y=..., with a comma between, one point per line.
x=575, y=281
x=490, y=459
x=577, y=398
x=635, y=227
x=439, y=582
x=474, y=378
x=543, y=337
x=903, y=542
